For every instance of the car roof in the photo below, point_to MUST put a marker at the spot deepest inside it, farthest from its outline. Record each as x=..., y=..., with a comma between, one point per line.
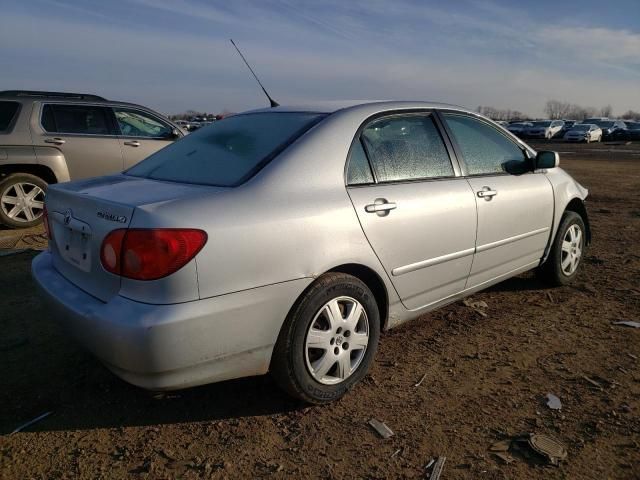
x=331, y=106
x=64, y=97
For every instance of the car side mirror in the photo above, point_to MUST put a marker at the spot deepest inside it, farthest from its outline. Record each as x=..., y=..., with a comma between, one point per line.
x=547, y=159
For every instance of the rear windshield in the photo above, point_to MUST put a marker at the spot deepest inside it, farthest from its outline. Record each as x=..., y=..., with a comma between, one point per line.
x=229, y=151
x=8, y=112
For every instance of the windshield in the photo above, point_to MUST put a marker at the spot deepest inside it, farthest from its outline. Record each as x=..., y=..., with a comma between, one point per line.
x=581, y=128
x=229, y=151
x=604, y=124
x=520, y=125
x=633, y=126
x=541, y=124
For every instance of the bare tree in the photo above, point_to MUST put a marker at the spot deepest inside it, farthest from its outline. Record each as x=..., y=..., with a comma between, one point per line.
x=630, y=115
x=606, y=111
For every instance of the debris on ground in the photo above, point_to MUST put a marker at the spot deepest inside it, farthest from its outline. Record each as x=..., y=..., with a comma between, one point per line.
x=396, y=453
x=527, y=445
x=628, y=323
x=381, y=428
x=553, y=402
x=437, y=469
x=550, y=448
x=31, y=422
x=477, y=306
x=592, y=382
x=421, y=380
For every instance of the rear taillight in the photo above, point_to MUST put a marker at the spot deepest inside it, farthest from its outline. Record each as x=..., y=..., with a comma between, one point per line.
x=150, y=254
x=45, y=222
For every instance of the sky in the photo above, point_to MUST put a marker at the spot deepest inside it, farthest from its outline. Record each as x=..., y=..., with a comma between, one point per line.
x=174, y=55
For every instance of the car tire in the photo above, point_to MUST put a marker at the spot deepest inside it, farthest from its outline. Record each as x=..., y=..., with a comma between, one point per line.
x=324, y=374
x=27, y=189
x=567, y=251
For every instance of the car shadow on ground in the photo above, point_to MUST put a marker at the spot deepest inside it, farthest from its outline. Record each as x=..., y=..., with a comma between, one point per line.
x=44, y=370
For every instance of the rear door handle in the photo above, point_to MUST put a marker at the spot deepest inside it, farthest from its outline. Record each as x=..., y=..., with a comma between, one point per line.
x=55, y=140
x=380, y=206
x=487, y=193
x=132, y=143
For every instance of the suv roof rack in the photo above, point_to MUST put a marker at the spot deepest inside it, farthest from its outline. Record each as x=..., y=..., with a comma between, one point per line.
x=36, y=93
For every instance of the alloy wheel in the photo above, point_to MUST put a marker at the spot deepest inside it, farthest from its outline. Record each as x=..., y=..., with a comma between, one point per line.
x=337, y=340
x=571, y=250
x=23, y=202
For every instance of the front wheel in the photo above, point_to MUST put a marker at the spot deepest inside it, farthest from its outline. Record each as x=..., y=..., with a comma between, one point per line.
x=22, y=200
x=328, y=340
x=566, y=252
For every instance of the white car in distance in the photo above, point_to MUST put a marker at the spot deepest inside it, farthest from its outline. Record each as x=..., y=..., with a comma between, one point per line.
x=584, y=132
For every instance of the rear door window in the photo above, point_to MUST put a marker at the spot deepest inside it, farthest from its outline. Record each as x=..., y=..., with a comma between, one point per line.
x=359, y=171
x=484, y=149
x=8, y=112
x=406, y=147
x=76, y=119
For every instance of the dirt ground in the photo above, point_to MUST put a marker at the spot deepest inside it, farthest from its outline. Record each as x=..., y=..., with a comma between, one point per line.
x=485, y=379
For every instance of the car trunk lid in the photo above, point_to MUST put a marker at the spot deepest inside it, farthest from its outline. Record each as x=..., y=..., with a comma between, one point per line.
x=82, y=214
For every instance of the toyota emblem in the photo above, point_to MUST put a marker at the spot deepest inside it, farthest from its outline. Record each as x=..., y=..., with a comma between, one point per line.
x=67, y=217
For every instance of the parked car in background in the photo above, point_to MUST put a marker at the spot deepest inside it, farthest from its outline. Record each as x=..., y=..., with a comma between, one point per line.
x=52, y=137
x=609, y=126
x=519, y=128
x=503, y=123
x=567, y=126
x=584, y=132
x=186, y=278
x=544, y=129
x=631, y=132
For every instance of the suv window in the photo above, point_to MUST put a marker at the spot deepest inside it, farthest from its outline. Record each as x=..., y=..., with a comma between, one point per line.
x=406, y=147
x=484, y=149
x=134, y=123
x=359, y=171
x=8, y=112
x=82, y=119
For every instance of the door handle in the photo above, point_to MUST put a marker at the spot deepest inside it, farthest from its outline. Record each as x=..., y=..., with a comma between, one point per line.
x=487, y=193
x=380, y=207
x=55, y=140
x=132, y=143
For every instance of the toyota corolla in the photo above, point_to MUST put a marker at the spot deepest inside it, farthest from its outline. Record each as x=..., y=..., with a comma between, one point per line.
x=287, y=239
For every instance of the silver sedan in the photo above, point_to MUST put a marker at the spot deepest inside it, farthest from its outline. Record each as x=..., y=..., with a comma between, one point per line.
x=287, y=239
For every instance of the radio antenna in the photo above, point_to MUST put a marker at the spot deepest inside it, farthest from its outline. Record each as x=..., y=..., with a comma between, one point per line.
x=271, y=100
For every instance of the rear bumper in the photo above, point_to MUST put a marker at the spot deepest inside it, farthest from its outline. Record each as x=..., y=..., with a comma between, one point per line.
x=166, y=347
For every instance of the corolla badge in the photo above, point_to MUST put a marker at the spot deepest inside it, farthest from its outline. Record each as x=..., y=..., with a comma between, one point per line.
x=112, y=218
x=68, y=215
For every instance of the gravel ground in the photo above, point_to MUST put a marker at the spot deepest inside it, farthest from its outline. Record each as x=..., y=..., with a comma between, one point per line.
x=486, y=376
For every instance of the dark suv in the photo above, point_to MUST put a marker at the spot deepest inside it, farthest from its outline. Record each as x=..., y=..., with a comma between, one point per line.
x=50, y=137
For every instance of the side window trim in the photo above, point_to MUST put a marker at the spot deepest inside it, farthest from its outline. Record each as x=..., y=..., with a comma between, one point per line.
x=440, y=128
x=106, y=108
x=113, y=109
x=458, y=151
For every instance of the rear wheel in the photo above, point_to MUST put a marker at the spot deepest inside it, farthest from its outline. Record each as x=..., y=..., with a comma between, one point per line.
x=566, y=252
x=328, y=341
x=22, y=200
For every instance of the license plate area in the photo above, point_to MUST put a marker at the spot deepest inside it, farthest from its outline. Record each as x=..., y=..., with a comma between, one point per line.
x=73, y=239
x=75, y=249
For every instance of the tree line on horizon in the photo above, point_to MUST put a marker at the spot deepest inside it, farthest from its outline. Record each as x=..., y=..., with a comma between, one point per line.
x=556, y=110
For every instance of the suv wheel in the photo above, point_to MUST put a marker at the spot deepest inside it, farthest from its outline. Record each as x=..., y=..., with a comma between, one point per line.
x=566, y=252
x=22, y=200
x=328, y=341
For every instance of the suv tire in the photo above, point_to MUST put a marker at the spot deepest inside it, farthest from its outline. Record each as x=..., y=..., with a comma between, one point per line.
x=22, y=200
x=345, y=346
